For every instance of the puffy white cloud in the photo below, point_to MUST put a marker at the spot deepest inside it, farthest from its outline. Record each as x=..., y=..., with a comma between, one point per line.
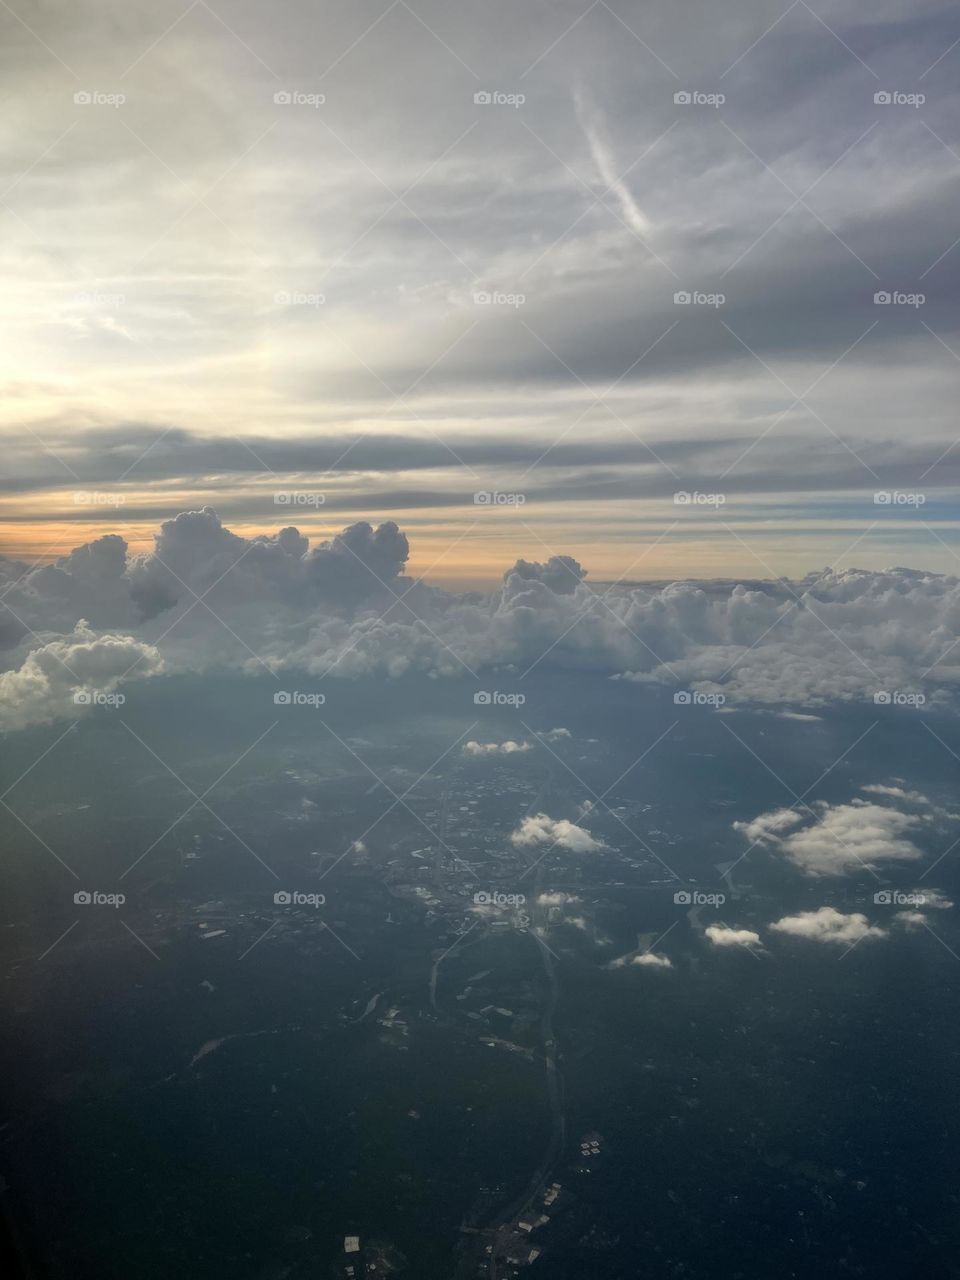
x=67, y=677
x=911, y=919
x=554, y=735
x=723, y=936
x=828, y=925
x=507, y=748
x=540, y=829
x=837, y=839
x=650, y=960
x=333, y=609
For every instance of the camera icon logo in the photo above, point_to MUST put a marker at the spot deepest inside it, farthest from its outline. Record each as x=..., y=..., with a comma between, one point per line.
x=682, y=98
x=882, y=98
x=83, y=898
x=282, y=898
x=82, y=98
x=882, y=298
x=683, y=897
x=681, y=498
x=283, y=97
x=82, y=697
x=681, y=298
x=482, y=298
x=483, y=98
x=281, y=698
x=481, y=698
x=883, y=897
x=482, y=899
x=682, y=698
x=882, y=698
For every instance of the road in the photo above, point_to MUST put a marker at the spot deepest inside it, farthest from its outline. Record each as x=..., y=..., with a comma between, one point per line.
x=497, y=1232
x=532, y=1196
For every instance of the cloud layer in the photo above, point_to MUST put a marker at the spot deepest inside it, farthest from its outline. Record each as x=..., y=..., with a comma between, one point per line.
x=207, y=597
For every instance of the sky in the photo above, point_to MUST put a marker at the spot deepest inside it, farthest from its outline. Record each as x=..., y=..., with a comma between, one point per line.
x=315, y=264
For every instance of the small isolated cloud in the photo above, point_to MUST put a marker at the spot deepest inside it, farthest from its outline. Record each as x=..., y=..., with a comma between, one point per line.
x=508, y=748
x=896, y=793
x=828, y=925
x=577, y=922
x=722, y=936
x=554, y=735
x=796, y=715
x=837, y=839
x=911, y=919
x=557, y=899
x=541, y=829
x=650, y=960
x=932, y=898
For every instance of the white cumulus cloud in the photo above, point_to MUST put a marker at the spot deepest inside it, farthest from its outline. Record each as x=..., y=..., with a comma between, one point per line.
x=540, y=829
x=650, y=960
x=837, y=839
x=722, y=936
x=828, y=925
x=66, y=677
x=507, y=748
